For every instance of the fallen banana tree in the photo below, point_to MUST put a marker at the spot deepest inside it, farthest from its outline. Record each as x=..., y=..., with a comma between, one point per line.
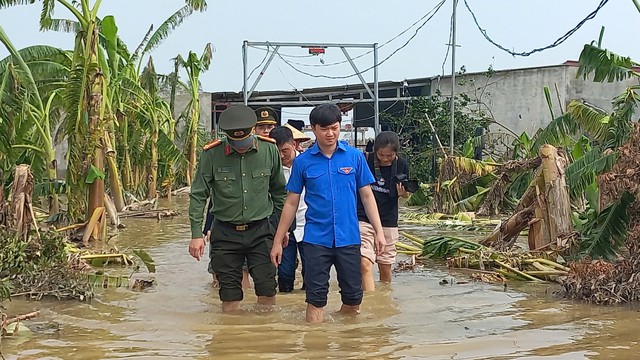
x=462, y=253
x=544, y=209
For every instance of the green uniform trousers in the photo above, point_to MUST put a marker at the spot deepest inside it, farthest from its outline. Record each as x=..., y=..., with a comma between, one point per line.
x=231, y=245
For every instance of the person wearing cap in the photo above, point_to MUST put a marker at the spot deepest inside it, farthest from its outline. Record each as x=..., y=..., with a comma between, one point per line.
x=243, y=175
x=285, y=140
x=267, y=120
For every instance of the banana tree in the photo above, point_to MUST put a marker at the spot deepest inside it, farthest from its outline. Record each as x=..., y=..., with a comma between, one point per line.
x=194, y=65
x=86, y=98
x=32, y=129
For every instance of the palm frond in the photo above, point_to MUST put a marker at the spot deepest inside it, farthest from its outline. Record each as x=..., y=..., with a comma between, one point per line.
x=557, y=133
x=584, y=170
x=48, y=70
x=207, y=55
x=142, y=44
x=61, y=25
x=35, y=53
x=167, y=27
x=8, y=3
x=168, y=151
x=197, y=5
x=605, y=65
x=606, y=234
x=45, y=15
x=592, y=120
x=625, y=104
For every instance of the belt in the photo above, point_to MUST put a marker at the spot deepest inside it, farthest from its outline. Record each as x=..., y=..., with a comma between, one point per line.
x=241, y=227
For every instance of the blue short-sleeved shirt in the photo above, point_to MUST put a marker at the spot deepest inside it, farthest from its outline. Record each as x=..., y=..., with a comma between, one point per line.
x=331, y=186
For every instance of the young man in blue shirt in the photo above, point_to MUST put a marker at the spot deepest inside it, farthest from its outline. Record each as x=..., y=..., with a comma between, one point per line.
x=332, y=174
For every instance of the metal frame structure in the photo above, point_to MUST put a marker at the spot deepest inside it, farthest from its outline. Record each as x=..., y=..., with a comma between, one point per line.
x=246, y=91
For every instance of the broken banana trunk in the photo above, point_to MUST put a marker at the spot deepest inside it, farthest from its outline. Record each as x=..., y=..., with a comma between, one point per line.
x=544, y=208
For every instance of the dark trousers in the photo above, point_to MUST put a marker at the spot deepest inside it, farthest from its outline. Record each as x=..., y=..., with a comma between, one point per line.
x=319, y=260
x=289, y=264
x=229, y=250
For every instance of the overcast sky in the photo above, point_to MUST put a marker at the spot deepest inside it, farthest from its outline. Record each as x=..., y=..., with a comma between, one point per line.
x=519, y=25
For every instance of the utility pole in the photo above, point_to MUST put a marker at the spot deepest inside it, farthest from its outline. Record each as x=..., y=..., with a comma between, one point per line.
x=453, y=74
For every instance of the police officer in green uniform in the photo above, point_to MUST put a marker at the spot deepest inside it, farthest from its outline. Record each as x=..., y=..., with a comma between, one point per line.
x=243, y=174
x=267, y=120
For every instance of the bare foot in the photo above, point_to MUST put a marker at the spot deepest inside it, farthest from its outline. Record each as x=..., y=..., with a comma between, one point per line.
x=315, y=315
x=230, y=306
x=349, y=309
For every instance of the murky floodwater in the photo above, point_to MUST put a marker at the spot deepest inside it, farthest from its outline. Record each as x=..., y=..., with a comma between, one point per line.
x=414, y=318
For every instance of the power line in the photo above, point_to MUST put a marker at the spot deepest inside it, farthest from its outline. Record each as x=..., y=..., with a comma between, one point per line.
x=559, y=41
x=259, y=65
x=294, y=88
x=446, y=55
x=361, y=55
x=435, y=11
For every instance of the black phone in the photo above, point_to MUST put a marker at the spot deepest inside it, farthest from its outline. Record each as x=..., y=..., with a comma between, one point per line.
x=411, y=185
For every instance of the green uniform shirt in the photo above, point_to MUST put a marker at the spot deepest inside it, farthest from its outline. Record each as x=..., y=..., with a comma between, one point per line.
x=243, y=187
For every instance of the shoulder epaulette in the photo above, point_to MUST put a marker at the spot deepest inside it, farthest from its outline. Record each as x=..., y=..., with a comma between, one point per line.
x=212, y=144
x=266, y=138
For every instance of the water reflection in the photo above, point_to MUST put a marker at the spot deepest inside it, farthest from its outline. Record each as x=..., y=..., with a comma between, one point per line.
x=414, y=318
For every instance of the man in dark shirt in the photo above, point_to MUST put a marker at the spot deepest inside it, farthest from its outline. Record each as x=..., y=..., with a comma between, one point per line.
x=386, y=166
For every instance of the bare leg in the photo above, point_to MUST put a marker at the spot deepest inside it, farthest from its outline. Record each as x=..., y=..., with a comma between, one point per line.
x=366, y=267
x=267, y=300
x=246, y=284
x=314, y=314
x=230, y=306
x=385, y=272
x=350, y=309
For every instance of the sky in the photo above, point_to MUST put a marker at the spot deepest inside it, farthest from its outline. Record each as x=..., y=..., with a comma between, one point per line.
x=520, y=25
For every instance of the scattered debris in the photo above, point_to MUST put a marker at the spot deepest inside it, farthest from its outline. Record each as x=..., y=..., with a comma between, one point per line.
x=150, y=214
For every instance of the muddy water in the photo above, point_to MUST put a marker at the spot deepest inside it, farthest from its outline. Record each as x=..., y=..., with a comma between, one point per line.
x=414, y=318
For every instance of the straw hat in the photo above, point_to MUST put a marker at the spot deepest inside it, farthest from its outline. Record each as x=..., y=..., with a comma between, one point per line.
x=297, y=134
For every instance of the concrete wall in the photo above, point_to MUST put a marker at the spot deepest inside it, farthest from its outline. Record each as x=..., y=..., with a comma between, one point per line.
x=516, y=97
x=205, y=108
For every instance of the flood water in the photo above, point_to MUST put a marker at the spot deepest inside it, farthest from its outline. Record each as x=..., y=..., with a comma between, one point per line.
x=413, y=318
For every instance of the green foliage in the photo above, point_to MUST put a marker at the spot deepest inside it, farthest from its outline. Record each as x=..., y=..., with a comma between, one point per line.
x=422, y=197
x=605, y=65
x=559, y=132
x=441, y=247
x=582, y=172
x=419, y=144
x=39, y=266
x=605, y=234
x=94, y=174
x=5, y=289
x=147, y=260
